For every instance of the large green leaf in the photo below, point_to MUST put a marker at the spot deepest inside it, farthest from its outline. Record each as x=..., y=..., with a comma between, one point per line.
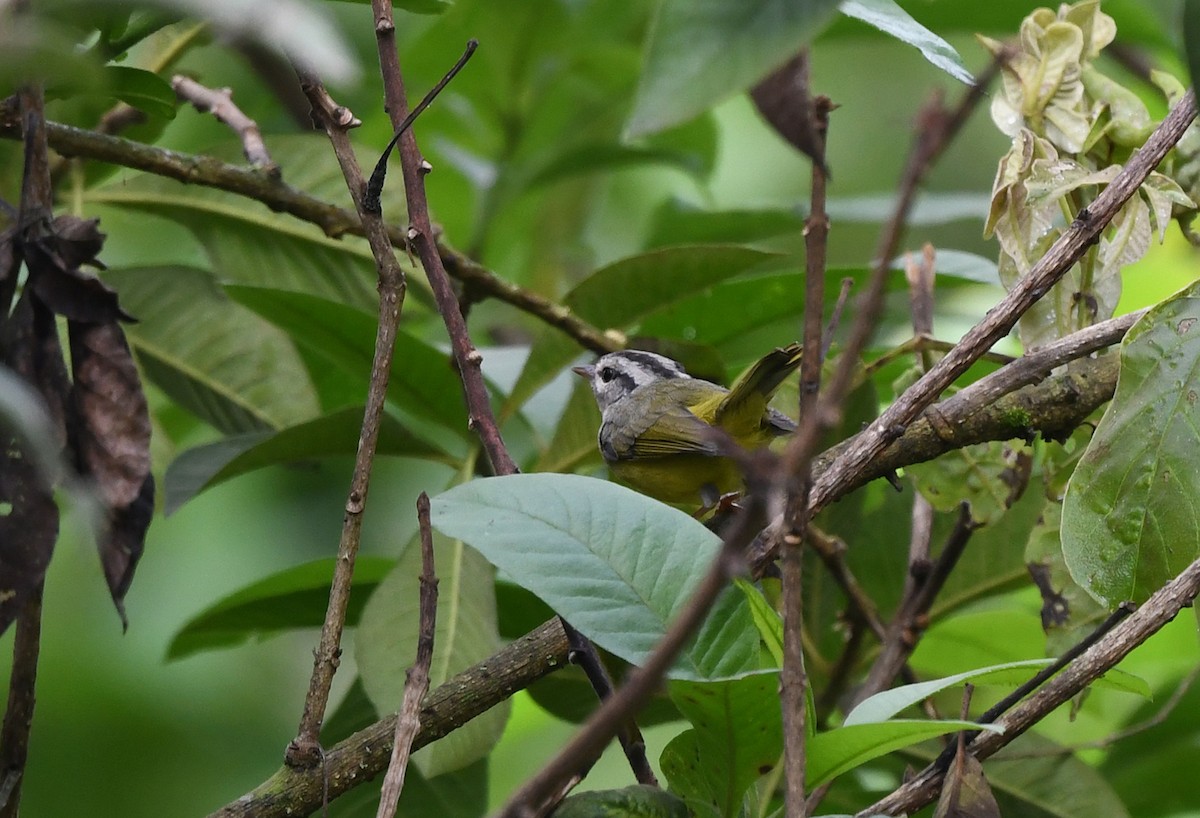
x=700, y=51
x=620, y=294
x=736, y=735
x=1131, y=520
x=422, y=382
x=385, y=644
x=213, y=356
x=616, y=564
x=327, y=436
x=143, y=90
x=293, y=598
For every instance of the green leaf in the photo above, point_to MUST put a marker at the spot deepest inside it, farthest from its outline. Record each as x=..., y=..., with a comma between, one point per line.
x=837, y=751
x=212, y=356
x=677, y=222
x=1191, y=38
x=334, y=434
x=616, y=564
x=144, y=90
x=422, y=381
x=736, y=736
x=636, y=801
x=293, y=598
x=310, y=37
x=882, y=706
x=889, y=18
x=766, y=619
x=699, y=52
x=385, y=644
x=1130, y=520
x=625, y=291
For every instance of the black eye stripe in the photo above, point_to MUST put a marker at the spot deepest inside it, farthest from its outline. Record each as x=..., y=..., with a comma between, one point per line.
x=654, y=363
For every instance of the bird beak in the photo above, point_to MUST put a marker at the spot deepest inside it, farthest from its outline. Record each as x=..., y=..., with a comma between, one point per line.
x=584, y=371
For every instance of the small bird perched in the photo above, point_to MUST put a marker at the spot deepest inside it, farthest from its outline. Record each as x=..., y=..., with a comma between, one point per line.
x=656, y=421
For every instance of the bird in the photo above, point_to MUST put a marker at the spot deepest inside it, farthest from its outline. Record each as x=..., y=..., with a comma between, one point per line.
x=656, y=430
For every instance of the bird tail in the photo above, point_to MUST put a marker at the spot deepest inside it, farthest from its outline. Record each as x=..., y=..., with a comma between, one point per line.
x=765, y=376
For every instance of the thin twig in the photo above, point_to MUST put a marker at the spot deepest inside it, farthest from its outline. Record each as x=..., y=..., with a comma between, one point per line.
x=219, y=103
x=922, y=584
x=18, y=714
x=379, y=174
x=1158, y=718
x=935, y=129
x=334, y=221
x=416, y=685
x=793, y=685
x=421, y=238
x=36, y=207
x=835, y=317
x=584, y=654
x=304, y=750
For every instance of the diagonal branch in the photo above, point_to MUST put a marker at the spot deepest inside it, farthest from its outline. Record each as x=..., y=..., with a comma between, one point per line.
x=1153, y=614
x=280, y=197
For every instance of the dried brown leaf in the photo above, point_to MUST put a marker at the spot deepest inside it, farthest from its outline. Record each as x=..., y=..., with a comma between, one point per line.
x=965, y=791
x=112, y=437
x=111, y=433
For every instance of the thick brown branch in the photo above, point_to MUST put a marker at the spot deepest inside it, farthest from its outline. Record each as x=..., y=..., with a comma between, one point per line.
x=362, y=756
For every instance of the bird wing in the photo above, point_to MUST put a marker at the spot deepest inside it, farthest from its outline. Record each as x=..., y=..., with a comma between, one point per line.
x=676, y=431
x=664, y=431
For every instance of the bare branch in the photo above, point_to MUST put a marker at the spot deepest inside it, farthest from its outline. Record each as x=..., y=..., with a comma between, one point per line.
x=408, y=720
x=304, y=750
x=219, y=103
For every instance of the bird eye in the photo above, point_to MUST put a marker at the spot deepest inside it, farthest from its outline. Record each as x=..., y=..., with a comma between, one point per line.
x=607, y=374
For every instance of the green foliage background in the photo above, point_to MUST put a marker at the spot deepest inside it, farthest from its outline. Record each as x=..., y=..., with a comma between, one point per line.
x=119, y=730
